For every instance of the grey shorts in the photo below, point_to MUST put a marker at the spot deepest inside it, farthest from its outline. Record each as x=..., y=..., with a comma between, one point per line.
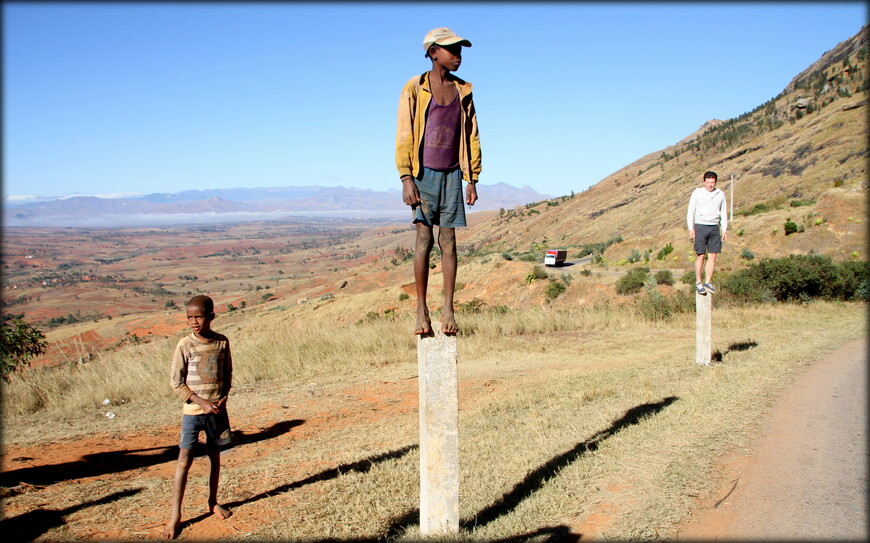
x=443, y=203
x=216, y=428
x=707, y=239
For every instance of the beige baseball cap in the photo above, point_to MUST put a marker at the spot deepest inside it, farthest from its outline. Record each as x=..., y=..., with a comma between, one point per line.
x=443, y=36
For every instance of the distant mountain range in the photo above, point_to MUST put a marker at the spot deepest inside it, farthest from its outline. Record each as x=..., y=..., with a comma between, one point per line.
x=237, y=204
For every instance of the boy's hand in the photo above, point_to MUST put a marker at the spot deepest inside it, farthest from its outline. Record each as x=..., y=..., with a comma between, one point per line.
x=207, y=407
x=471, y=194
x=221, y=403
x=410, y=194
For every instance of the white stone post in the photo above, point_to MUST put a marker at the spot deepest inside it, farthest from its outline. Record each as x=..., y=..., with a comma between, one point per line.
x=439, y=434
x=703, y=329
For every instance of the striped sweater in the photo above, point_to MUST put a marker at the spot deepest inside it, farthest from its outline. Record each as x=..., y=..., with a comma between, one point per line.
x=201, y=367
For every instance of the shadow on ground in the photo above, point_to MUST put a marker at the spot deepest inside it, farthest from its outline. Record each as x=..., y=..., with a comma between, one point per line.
x=536, y=480
x=102, y=463
x=718, y=355
x=28, y=526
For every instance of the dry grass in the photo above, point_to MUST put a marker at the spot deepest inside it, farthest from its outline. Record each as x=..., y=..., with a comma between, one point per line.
x=562, y=413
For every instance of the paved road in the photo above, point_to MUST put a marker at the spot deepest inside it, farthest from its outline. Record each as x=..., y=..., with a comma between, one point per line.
x=807, y=477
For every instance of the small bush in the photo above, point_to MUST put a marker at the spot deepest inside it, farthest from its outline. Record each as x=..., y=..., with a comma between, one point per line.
x=747, y=254
x=790, y=227
x=655, y=306
x=403, y=296
x=664, y=277
x=539, y=272
x=507, y=256
x=688, y=278
x=632, y=282
x=555, y=288
x=665, y=251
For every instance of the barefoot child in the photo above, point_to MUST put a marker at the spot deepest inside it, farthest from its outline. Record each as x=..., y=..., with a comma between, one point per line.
x=437, y=146
x=201, y=375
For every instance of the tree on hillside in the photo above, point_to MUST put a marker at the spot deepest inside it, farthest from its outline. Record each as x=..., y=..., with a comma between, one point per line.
x=19, y=342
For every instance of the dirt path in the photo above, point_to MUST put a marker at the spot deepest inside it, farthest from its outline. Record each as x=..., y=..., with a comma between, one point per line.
x=807, y=475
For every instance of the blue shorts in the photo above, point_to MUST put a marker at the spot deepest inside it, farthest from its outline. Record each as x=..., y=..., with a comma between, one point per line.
x=707, y=239
x=216, y=428
x=443, y=204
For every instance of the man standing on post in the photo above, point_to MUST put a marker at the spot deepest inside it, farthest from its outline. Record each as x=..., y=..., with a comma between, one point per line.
x=437, y=147
x=707, y=219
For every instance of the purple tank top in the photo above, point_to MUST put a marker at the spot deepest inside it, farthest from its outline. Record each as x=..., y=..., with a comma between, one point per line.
x=441, y=139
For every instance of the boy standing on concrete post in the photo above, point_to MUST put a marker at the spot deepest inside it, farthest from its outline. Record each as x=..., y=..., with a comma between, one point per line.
x=437, y=147
x=707, y=218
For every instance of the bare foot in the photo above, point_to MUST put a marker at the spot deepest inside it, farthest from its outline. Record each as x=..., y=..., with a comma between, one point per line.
x=171, y=530
x=448, y=323
x=424, y=324
x=220, y=510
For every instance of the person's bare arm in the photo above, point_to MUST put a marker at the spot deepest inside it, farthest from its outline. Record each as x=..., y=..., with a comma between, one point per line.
x=410, y=194
x=471, y=194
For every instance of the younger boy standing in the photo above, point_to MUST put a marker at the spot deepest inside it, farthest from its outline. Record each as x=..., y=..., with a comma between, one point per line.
x=437, y=146
x=201, y=375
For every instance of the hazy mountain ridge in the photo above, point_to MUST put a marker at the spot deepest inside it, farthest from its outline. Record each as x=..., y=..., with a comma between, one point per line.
x=235, y=201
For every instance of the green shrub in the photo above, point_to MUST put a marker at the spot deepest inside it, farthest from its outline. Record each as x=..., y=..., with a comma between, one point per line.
x=632, y=282
x=665, y=251
x=555, y=288
x=747, y=254
x=403, y=296
x=799, y=278
x=664, y=277
x=688, y=278
x=656, y=306
x=19, y=342
x=790, y=227
x=507, y=256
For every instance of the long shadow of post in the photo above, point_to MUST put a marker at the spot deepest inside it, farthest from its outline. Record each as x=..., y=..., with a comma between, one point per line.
x=717, y=356
x=96, y=464
x=535, y=480
x=360, y=466
x=28, y=526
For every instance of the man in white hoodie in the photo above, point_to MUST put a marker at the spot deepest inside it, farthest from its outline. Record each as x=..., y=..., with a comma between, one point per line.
x=707, y=219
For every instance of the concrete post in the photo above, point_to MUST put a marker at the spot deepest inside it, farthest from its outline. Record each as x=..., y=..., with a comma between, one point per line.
x=703, y=329
x=439, y=434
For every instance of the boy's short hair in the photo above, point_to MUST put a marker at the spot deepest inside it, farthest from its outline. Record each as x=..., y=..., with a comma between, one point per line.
x=711, y=175
x=206, y=303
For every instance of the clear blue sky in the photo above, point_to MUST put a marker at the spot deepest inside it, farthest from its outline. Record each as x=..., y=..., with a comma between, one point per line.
x=114, y=98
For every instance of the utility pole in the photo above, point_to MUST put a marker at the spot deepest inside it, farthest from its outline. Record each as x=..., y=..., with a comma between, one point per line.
x=731, y=218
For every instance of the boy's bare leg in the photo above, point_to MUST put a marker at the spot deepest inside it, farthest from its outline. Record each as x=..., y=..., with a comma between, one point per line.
x=699, y=265
x=711, y=263
x=447, y=243
x=214, y=458
x=422, y=251
x=185, y=459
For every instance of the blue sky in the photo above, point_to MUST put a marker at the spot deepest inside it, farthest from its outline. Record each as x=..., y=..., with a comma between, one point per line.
x=118, y=98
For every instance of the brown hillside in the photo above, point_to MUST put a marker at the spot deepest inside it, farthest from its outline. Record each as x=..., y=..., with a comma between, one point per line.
x=801, y=155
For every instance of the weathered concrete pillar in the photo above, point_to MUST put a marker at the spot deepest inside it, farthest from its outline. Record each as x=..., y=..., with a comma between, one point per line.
x=439, y=434
x=703, y=329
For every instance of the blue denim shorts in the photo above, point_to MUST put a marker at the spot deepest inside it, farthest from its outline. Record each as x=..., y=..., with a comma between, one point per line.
x=216, y=428
x=443, y=203
x=707, y=239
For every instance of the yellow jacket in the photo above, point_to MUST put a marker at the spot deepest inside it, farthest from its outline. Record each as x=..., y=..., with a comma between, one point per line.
x=411, y=125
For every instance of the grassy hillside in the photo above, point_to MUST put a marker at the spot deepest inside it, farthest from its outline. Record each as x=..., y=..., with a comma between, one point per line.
x=801, y=155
